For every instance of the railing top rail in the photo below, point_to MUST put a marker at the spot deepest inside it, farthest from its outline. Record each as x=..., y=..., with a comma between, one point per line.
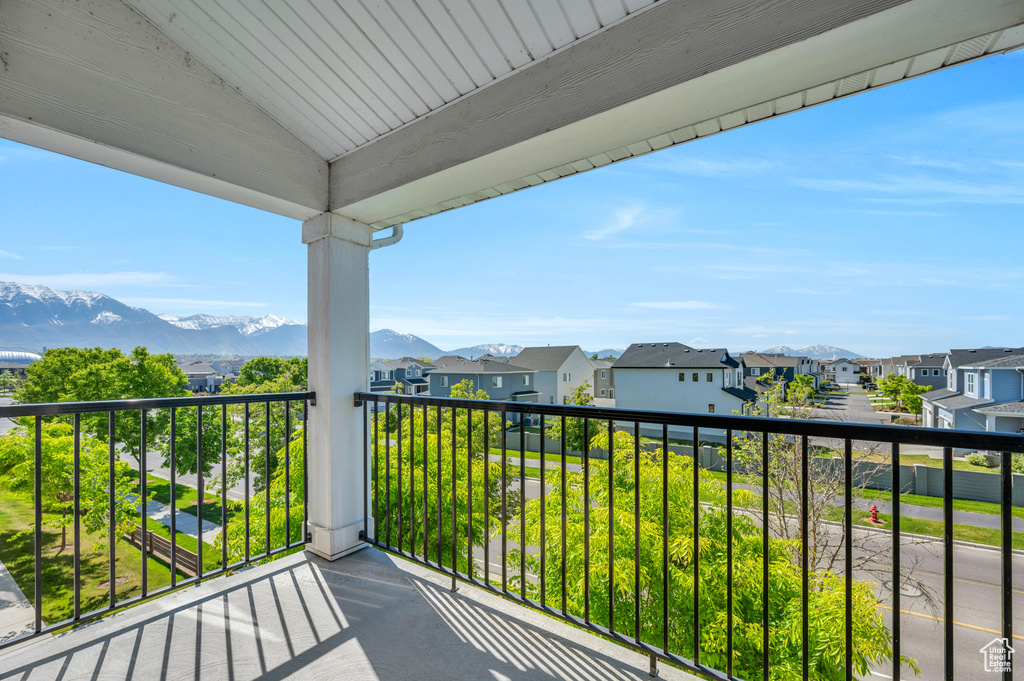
x=57, y=408
x=934, y=437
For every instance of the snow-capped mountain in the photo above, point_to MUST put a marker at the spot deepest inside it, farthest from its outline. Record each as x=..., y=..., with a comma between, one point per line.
x=390, y=344
x=496, y=349
x=608, y=352
x=818, y=351
x=33, y=317
x=248, y=326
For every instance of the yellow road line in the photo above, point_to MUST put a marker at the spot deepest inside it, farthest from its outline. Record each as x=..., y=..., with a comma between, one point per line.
x=940, y=619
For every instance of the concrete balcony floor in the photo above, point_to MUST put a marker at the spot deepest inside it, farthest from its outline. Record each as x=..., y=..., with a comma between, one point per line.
x=366, y=616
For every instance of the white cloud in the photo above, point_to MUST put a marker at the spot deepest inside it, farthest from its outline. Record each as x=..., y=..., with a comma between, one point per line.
x=680, y=305
x=631, y=217
x=8, y=254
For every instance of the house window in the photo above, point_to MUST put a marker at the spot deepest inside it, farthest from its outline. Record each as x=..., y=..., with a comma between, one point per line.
x=682, y=376
x=603, y=391
x=728, y=379
x=417, y=372
x=711, y=409
x=970, y=384
x=496, y=381
x=695, y=377
x=611, y=393
x=444, y=381
x=709, y=377
x=756, y=371
x=526, y=380
x=566, y=377
x=604, y=374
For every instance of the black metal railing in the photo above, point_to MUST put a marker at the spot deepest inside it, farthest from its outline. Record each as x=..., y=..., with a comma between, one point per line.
x=279, y=422
x=646, y=520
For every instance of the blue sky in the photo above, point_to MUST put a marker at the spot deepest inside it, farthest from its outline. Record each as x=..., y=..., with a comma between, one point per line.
x=889, y=222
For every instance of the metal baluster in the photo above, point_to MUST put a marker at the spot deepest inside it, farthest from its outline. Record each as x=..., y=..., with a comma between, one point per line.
x=586, y=520
x=200, y=493
x=174, y=502
x=469, y=494
x=728, y=551
x=765, y=632
x=564, y=502
x=224, y=486
x=401, y=520
x=266, y=475
x=611, y=527
x=487, y=499
x=305, y=472
x=848, y=502
x=376, y=470
x=387, y=471
x=366, y=472
x=78, y=514
x=543, y=504
x=112, y=455
x=143, y=511
x=438, y=495
x=504, y=505
x=37, y=502
x=455, y=534
x=897, y=490
x=636, y=532
x=522, y=507
x=412, y=480
x=1006, y=555
x=287, y=473
x=665, y=593
x=245, y=427
x=426, y=557
x=805, y=552
x=947, y=513
x=696, y=545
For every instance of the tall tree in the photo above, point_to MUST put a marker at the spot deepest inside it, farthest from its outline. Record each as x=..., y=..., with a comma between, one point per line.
x=575, y=431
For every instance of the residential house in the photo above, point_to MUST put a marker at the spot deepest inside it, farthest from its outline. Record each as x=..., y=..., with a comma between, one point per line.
x=560, y=370
x=445, y=360
x=604, y=383
x=783, y=367
x=927, y=370
x=501, y=381
x=202, y=376
x=841, y=370
x=980, y=384
x=676, y=377
x=412, y=375
x=382, y=376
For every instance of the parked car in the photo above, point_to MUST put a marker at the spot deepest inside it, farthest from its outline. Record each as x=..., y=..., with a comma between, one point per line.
x=871, y=386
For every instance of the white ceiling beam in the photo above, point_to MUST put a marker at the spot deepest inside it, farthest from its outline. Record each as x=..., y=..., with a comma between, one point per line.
x=678, y=64
x=96, y=80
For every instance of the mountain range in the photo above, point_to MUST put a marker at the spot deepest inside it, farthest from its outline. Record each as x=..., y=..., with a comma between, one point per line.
x=818, y=351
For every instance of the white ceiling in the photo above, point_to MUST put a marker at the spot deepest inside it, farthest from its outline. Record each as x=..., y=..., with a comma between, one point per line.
x=340, y=73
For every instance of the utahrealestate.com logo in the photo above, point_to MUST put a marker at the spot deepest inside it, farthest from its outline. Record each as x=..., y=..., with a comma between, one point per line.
x=998, y=654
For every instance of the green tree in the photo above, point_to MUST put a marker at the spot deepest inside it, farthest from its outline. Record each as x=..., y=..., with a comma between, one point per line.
x=575, y=439
x=57, y=457
x=910, y=396
x=800, y=389
x=871, y=638
x=94, y=374
x=263, y=370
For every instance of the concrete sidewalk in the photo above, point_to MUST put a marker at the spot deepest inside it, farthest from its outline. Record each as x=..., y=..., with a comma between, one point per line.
x=16, y=613
x=186, y=523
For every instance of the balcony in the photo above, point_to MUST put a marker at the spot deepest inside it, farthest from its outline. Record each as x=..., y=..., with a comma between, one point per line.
x=445, y=592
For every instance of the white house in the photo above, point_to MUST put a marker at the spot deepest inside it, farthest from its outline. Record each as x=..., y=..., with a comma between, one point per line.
x=841, y=370
x=676, y=377
x=560, y=370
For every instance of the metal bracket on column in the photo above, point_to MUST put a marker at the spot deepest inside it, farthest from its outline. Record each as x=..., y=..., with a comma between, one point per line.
x=357, y=402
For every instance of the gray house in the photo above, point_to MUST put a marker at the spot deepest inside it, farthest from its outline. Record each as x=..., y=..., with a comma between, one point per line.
x=382, y=376
x=412, y=374
x=500, y=380
x=604, y=383
x=983, y=391
x=676, y=377
x=560, y=370
x=202, y=377
x=927, y=370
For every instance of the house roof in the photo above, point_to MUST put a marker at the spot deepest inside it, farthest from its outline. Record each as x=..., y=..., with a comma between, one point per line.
x=757, y=359
x=960, y=402
x=939, y=394
x=673, y=356
x=478, y=366
x=197, y=368
x=1004, y=408
x=745, y=394
x=602, y=363
x=931, y=361
x=413, y=381
x=406, y=362
x=967, y=357
x=1011, y=361
x=382, y=364
x=545, y=358
x=445, y=360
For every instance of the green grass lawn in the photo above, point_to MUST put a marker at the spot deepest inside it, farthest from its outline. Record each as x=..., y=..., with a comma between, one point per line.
x=936, y=502
x=535, y=456
x=17, y=554
x=185, y=499
x=968, y=533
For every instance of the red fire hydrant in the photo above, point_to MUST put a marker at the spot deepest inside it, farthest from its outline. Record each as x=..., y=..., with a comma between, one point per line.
x=874, y=513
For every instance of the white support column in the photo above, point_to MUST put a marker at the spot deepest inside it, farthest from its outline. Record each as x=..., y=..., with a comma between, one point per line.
x=339, y=347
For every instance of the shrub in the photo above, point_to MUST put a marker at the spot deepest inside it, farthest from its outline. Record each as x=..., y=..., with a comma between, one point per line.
x=977, y=460
x=1017, y=463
